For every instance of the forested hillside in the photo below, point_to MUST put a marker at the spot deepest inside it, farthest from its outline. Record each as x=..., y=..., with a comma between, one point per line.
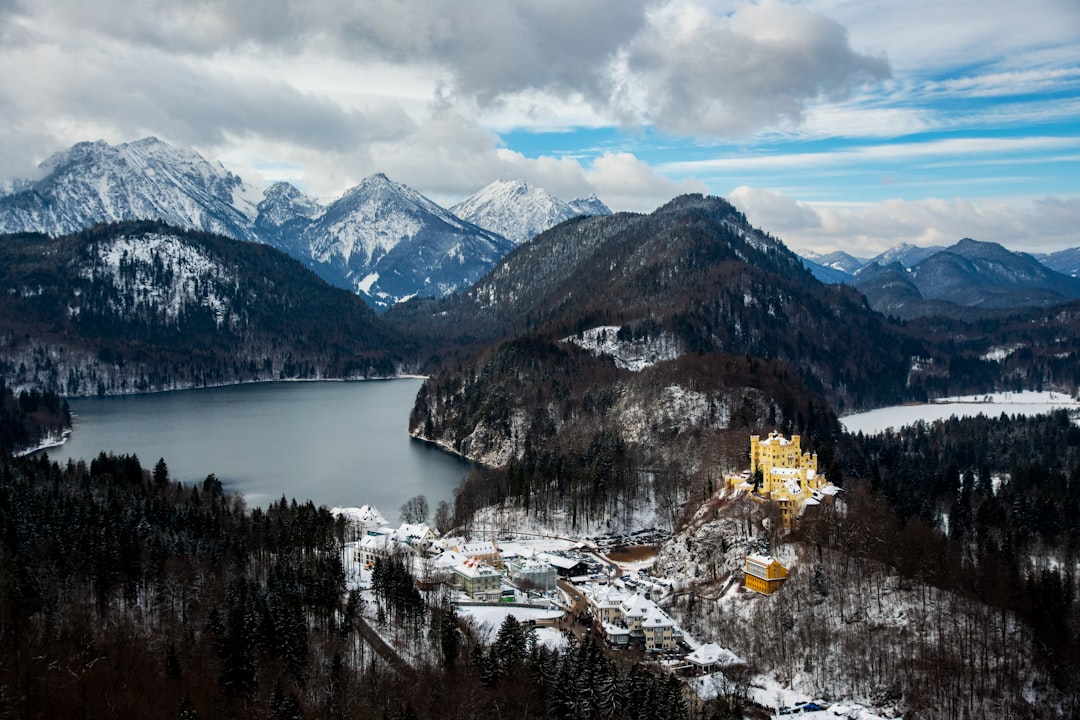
x=564, y=432
x=123, y=594
x=941, y=583
x=693, y=270
x=133, y=307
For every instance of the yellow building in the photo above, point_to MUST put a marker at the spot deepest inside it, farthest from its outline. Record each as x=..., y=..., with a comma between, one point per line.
x=789, y=476
x=764, y=574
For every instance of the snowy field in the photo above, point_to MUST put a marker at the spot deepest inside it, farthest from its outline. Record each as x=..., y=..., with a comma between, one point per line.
x=489, y=618
x=1022, y=403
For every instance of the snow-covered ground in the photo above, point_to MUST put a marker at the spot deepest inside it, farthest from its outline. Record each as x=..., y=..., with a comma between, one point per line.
x=632, y=355
x=1021, y=403
x=492, y=615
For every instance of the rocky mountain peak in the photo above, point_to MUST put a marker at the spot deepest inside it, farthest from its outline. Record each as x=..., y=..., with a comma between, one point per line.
x=517, y=210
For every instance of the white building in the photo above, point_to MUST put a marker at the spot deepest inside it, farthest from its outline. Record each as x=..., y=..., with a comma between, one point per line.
x=711, y=657
x=361, y=520
x=532, y=572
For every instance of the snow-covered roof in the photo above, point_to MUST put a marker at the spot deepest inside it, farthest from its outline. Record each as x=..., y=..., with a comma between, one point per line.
x=530, y=565
x=363, y=515
x=760, y=559
x=558, y=561
x=414, y=531
x=613, y=630
x=483, y=547
x=609, y=598
x=378, y=543
x=448, y=559
x=475, y=569
x=713, y=654
x=638, y=606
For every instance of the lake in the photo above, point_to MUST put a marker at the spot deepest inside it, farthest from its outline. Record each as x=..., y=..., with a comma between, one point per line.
x=335, y=443
x=991, y=405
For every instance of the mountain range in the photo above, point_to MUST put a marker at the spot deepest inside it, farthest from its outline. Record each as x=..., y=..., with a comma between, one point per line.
x=968, y=279
x=381, y=239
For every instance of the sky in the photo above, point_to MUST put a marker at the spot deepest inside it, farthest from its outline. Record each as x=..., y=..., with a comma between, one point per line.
x=833, y=124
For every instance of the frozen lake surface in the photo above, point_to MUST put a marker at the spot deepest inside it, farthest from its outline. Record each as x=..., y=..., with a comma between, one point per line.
x=1021, y=403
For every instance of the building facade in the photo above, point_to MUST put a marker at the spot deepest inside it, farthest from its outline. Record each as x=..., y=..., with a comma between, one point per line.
x=478, y=580
x=763, y=574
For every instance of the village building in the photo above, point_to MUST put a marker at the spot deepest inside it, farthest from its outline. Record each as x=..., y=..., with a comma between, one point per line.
x=658, y=631
x=478, y=580
x=483, y=550
x=606, y=606
x=565, y=567
x=379, y=546
x=711, y=657
x=360, y=521
x=625, y=618
x=763, y=574
x=530, y=573
x=418, y=536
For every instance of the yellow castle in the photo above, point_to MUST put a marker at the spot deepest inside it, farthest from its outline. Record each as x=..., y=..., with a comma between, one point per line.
x=789, y=476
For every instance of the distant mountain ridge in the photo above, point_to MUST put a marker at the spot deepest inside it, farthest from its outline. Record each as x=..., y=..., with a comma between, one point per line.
x=382, y=240
x=96, y=182
x=1066, y=262
x=963, y=280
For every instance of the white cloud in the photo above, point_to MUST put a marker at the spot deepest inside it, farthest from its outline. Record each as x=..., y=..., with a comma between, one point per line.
x=695, y=72
x=929, y=36
x=625, y=182
x=973, y=151
x=1021, y=224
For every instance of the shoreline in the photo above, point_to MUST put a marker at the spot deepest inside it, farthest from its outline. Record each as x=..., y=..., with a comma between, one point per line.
x=214, y=386
x=47, y=443
x=55, y=442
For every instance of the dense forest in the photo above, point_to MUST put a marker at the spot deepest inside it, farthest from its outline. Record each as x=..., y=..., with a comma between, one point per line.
x=123, y=594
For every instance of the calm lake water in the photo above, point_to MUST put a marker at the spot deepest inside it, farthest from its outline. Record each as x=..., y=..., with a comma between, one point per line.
x=335, y=443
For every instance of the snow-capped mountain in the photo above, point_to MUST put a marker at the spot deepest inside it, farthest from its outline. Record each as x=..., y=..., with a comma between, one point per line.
x=838, y=260
x=381, y=239
x=388, y=242
x=148, y=179
x=590, y=206
x=520, y=211
x=283, y=216
x=1066, y=262
x=906, y=254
